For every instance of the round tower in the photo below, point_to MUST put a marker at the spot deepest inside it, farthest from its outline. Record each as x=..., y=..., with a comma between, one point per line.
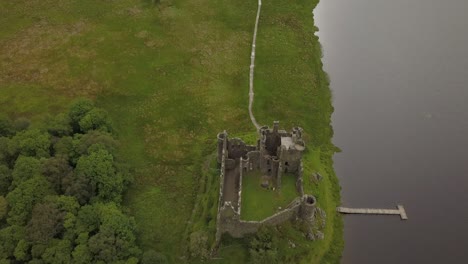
x=307, y=209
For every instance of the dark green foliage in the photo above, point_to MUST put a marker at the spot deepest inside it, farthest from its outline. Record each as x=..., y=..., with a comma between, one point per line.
x=5, y=179
x=64, y=203
x=98, y=168
x=78, y=186
x=22, y=251
x=37, y=250
x=47, y=184
x=4, y=154
x=77, y=111
x=84, y=117
x=263, y=249
x=25, y=168
x=6, y=127
x=58, y=251
x=3, y=207
x=59, y=125
x=105, y=140
x=96, y=119
x=32, y=143
x=36, y=261
x=47, y=222
x=87, y=221
x=64, y=147
x=81, y=254
x=22, y=199
x=21, y=124
x=111, y=233
x=9, y=238
x=55, y=170
x=153, y=257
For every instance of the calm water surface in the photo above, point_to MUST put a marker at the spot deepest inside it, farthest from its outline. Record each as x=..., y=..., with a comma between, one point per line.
x=399, y=75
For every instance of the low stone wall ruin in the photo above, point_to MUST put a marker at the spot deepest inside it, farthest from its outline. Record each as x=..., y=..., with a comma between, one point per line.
x=301, y=207
x=249, y=158
x=222, y=151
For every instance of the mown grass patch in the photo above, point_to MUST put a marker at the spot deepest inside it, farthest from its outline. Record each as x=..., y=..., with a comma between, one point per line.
x=258, y=202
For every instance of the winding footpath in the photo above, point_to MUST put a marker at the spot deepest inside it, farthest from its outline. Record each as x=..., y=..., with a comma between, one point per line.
x=400, y=211
x=252, y=66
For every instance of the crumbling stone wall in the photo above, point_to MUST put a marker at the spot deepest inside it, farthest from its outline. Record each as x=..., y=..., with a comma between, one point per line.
x=301, y=207
x=299, y=180
x=290, y=159
x=222, y=138
x=241, y=174
x=237, y=148
x=277, y=152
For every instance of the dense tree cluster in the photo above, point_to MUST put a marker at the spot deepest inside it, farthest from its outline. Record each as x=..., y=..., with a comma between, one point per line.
x=61, y=190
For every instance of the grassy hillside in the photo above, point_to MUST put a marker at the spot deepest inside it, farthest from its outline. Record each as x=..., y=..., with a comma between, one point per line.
x=172, y=75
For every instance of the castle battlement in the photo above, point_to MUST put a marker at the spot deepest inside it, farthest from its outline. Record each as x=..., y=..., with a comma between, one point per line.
x=277, y=154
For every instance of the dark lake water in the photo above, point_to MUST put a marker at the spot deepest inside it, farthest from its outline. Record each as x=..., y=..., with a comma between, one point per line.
x=399, y=76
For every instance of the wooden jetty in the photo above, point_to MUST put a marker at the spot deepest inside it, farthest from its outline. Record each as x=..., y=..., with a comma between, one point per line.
x=399, y=211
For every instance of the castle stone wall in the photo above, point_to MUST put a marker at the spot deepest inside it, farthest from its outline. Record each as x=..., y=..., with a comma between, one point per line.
x=299, y=180
x=291, y=159
x=221, y=184
x=236, y=148
x=241, y=175
x=254, y=158
x=239, y=228
x=276, y=152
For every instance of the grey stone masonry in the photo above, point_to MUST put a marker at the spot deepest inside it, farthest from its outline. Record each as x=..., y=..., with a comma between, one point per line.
x=277, y=154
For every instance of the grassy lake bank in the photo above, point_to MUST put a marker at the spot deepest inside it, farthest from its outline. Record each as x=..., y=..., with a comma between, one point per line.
x=172, y=76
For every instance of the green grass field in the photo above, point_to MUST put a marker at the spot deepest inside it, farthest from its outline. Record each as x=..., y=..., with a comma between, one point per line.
x=171, y=76
x=258, y=203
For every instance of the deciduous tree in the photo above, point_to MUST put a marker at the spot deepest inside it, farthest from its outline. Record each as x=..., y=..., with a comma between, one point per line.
x=55, y=169
x=6, y=126
x=115, y=239
x=98, y=167
x=59, y=125
x=3, y=207
x=77, y=111
x=22, y=251
x=32, y=143
x=96, y=119
x=58, y=252
x=25, y=168
x=46, y=223
x=22, y=199
x=9, y=238
x=4, y=153
x=5, y=179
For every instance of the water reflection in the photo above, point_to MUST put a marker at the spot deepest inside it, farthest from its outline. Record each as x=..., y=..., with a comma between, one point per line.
x=399, y=75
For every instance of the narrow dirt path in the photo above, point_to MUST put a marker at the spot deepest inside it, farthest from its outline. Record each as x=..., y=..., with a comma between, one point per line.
x=252, y=66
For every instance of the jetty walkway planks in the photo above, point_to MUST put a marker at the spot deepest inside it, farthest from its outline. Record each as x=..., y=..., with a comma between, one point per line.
x=400, y=211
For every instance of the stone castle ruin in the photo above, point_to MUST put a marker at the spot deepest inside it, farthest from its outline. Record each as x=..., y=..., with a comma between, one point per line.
x=278, y=154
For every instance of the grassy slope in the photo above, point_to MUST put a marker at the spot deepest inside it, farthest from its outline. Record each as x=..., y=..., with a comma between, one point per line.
x=291, y=87
x=172, y=77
